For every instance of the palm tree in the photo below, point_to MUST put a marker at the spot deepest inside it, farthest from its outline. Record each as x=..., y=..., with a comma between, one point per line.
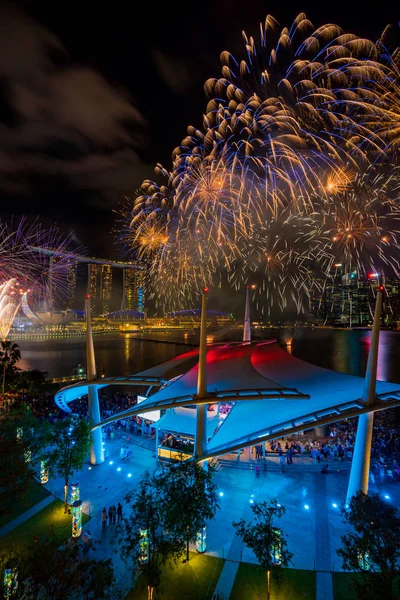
x=9, y=356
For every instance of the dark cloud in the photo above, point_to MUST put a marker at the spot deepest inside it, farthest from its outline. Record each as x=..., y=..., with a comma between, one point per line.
x=175, y=72
x=62, y=123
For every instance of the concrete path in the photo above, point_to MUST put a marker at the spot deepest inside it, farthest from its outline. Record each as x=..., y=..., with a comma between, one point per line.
x=324, y=586
x=312, y=522
x=226, y=580
x=26, y=515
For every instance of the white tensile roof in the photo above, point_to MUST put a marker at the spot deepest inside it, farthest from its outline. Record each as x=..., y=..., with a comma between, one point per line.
x=272, y=391
x=263, y=366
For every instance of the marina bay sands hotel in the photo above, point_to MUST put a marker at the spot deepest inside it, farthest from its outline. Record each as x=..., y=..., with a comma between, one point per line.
x=100, y=281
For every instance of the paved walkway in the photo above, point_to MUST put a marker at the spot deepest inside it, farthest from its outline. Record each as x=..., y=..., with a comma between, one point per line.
x=26, y=515
x=324, y=586
x=323, y=554
x=226, y=580
x=312, y=521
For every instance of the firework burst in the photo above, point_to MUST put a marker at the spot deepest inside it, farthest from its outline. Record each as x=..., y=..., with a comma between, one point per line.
x=10, y=301
x=279, y=178
x=23, y=269
x=359, y=226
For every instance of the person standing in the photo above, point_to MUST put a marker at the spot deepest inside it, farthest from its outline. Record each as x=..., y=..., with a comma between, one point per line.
x=114, y=514
x=119, y=512
x=103, y=518
x=282, y=462
x=110, y=516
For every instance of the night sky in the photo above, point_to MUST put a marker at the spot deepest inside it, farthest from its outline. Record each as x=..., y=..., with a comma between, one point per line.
x=93, y=94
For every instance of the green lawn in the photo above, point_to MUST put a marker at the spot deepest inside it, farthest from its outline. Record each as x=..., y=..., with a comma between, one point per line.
x=50, y=517
x=342, y=585
x=251, y=584
x=36, y=493
x=194, y=580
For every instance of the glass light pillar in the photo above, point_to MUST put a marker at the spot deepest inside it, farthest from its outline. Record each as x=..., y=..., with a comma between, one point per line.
x=201, y=540
x=77, y=519
x=75, y=492
x=363, y=561
x=44, y=472
x=276, y=548
x=10, y=580
x=144, y=547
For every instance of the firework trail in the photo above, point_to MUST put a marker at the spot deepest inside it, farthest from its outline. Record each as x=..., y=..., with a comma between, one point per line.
x=23, y=270
x=359, y=223
x=287, y=174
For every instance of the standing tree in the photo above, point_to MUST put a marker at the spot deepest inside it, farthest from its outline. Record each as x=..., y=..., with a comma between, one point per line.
x=266, y=539
x=23, y=440
x=9, y=356
x=372, y=547
x=68, y=450
x=34, y=382
x=15, y=472
x=50, y=570
x=144, y=539
x=190, y=498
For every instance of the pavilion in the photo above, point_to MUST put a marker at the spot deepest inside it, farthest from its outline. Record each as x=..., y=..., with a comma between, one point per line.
x=273, y=394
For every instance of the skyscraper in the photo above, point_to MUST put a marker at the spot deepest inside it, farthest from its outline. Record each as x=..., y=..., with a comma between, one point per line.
x=133, y=290
x=61, y=285
x=93, y=274
x=347, y=299
x=106, y=288
x=71, y=283
x=100, y=288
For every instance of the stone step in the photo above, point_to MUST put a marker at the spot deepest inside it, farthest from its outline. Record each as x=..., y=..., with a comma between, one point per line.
x=271, y=467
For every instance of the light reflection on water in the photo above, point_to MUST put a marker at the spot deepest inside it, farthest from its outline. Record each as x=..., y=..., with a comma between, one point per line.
x=119, y=354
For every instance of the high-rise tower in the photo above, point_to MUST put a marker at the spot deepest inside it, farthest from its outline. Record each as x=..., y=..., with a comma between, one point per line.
x=71, y=283
x=133, y=298
x=100, y=288
x=106, y=288
x=94, y=272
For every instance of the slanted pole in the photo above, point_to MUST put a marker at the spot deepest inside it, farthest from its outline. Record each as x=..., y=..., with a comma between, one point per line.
x=359, y=473
x=96, y=444
x=247, y=319
x=201, y=410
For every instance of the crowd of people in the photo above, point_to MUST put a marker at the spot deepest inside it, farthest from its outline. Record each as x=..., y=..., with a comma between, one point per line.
x=336, y=445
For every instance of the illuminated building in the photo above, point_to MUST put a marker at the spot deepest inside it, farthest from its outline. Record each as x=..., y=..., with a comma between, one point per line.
x=106, y=288
x=391, y=305
x=133, y=296
x=94, y=272
x=71, y=283
x=100, y=288
x=345, y=300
